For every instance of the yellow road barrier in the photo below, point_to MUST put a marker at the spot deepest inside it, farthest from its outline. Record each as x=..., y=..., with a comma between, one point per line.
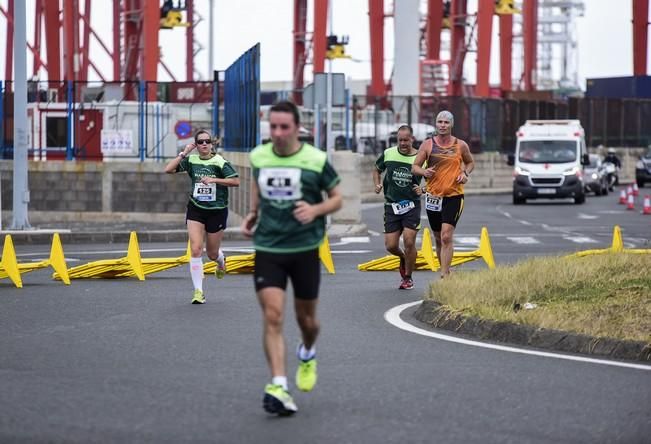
x=130, y=265
x=245, y=263
x=427, y=260
x=617, y=246
x=10, y=268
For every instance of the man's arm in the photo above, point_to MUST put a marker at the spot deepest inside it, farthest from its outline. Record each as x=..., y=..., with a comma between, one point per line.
x=252, y=217
x=306, y=213
x=468, y=162
x=421, y=157
x=377, y=180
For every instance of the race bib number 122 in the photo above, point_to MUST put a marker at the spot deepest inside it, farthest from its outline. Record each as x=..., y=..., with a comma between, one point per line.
x=433, y=203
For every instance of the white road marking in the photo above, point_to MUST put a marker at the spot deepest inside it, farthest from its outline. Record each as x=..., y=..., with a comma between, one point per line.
x=352, y=240
x=524, y=222
x=392, y=316
x=587, y=216
x=468, y=240
x=373, y=233
x=524, y=240
x=580, y=239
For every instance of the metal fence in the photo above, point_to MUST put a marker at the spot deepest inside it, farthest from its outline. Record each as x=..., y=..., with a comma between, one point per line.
x=242, y=102
x=105, y=120
x=491, y=124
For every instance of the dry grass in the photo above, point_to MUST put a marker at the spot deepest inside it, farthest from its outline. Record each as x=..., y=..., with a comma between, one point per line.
x=606, y=295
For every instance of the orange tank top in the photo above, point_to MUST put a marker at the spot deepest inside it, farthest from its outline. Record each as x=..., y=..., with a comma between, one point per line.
x=447, y=167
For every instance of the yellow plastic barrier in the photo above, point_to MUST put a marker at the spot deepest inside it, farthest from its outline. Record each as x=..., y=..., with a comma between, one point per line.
x=130, y=265
x=617, y=246
x=10, y=268
x=245, y=263
x=427, y=260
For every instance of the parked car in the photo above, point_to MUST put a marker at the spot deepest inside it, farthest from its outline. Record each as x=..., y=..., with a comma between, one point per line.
x=643, y=169
x=595, y=176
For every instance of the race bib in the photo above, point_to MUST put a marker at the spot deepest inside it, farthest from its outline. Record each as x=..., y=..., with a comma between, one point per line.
x=402, y=207
x=280, y=183
x=205, y=192
x=433, y=203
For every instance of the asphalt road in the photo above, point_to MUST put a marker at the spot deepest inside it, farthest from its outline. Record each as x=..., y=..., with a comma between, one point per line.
x=130, y=361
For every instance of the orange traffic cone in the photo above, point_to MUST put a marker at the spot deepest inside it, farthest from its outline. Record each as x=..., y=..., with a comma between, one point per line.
x=647, y=205
x=631, y=202
x=636, y=190
x=622, y=197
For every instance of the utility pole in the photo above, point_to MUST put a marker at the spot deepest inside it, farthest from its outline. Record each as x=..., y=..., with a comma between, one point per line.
x=21, y=191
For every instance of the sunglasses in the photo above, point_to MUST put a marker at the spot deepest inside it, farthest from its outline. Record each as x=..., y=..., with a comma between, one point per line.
x=282, y=126
x=203, y=141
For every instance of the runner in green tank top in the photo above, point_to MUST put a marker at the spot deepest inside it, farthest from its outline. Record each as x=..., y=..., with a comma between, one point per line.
x=401, y=202
x=207, y=211
x=287, y=204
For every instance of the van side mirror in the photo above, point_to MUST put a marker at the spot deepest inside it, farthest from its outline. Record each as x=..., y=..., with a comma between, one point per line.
x=510, y=159
x=585, y=160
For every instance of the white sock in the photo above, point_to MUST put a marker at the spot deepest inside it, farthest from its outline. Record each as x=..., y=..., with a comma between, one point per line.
x=305, y=354
x=220, y=258
x=196, y=271
x=280, y=380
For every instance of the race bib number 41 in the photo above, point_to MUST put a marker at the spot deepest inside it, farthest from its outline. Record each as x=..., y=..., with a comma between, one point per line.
x=205, y=192
x=280, y=183
x=433, y=203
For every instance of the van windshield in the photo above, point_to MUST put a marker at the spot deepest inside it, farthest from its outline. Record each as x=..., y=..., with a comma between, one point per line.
x=547, y=151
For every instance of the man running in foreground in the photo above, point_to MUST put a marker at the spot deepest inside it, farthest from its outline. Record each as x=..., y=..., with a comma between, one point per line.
x=288, y=178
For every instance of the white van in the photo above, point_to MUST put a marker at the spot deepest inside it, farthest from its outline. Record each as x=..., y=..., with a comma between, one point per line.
x=549, y=159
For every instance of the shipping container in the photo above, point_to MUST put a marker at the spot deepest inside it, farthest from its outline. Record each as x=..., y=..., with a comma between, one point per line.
x=619, y=87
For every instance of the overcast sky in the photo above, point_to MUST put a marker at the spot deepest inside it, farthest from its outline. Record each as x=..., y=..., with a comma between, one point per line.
x=604, y=37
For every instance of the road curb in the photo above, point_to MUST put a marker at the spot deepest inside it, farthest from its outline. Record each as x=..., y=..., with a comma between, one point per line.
x=438, y=316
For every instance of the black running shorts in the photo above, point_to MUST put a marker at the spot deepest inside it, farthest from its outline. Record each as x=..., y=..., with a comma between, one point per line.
x=304, y=270
x=398, y=222
x=213, y=220
x=451, y=210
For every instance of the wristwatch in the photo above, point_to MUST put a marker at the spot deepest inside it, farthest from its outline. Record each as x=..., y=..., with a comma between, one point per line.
x=182, y=154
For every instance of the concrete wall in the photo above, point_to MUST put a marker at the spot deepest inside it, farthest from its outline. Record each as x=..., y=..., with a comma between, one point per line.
x=67, y=190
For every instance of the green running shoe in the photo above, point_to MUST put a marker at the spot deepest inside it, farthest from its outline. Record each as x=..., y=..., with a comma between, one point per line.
x=306, y=375
x=278, y=401
x=220, y=269
x=198, y=297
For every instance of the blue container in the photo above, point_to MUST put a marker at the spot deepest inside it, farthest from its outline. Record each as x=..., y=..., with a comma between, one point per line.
x=619, y=87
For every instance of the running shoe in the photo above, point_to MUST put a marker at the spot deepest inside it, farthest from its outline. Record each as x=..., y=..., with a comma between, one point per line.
x=306, y=375
x=278, y=401
x=406, y=284
x=220, y=269
x=198, y=297
x=403, y=270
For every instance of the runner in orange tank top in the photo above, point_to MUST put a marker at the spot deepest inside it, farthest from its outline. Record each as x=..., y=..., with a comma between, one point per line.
x=449, y=164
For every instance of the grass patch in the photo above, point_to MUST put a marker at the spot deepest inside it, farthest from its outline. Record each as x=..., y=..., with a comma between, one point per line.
x=607, y=295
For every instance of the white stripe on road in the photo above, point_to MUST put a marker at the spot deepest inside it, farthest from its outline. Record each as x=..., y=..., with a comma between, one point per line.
x=524, y=240
x=587, y=216
x=467, y=240
x=580, y=239
x=392, y=316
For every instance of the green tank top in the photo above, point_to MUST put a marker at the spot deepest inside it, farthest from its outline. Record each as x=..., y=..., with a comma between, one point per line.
x=398, y=180
x=211, y=196
x=282, y=181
